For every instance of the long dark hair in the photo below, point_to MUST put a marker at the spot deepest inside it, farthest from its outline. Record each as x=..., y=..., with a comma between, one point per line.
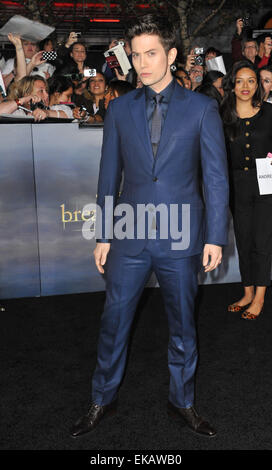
x=228, y=104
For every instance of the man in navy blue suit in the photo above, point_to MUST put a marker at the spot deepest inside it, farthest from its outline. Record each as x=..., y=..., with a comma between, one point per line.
x=160, y=138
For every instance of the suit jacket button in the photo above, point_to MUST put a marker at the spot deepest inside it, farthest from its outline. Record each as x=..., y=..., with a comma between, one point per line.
x=155, y=178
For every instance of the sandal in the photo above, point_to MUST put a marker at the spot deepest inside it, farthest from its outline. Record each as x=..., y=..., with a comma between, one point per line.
x=250, y=316
x=237, y=308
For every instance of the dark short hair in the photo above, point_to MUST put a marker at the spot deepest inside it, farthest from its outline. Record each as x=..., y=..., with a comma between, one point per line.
x=153, y=25
x=212, y=50
x=121, y=87
x=78, y=43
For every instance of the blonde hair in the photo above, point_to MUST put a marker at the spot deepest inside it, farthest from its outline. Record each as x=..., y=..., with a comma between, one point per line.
x=23, y=87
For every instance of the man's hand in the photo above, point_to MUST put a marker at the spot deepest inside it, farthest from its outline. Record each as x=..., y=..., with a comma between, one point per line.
x=267, y=46
x=239, y=26
x=15, y=39
x=71, y=39
x=190, y=61
x=37, y=59
x=100, y=255
x=212, y=256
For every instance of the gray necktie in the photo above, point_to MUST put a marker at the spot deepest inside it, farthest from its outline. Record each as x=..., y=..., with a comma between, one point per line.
x=156, y=124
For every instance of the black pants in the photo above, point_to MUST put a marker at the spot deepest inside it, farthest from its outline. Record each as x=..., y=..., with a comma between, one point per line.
x=252, y=218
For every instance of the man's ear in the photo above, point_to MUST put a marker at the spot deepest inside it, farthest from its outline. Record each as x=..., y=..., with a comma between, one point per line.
x=172, y=54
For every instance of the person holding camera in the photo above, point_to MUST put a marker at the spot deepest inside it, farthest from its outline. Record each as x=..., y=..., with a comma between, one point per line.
x=93, y=109
x=244, y=47
x=194, y=66
x=24, y=96
x=29, y=97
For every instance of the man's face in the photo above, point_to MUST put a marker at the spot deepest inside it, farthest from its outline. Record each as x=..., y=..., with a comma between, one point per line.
x=151, y=62
x=30, y=49
x=78, y=53
x=39, y=89
x=196, y=74
x=250, y=50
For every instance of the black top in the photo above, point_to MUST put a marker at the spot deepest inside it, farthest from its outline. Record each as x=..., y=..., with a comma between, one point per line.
x=254, y=140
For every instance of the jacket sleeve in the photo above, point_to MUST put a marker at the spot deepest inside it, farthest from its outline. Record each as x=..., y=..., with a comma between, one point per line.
x=215, y=176
x=236, y=48
x=109, y=178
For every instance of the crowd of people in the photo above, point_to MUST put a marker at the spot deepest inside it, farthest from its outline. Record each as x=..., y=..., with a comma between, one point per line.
x=61, y=88
x=72, y=85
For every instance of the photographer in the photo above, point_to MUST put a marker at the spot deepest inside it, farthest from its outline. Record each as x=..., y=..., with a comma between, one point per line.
x=95, y=108
x=243, y=47
x=24, y=94
x=195, y=66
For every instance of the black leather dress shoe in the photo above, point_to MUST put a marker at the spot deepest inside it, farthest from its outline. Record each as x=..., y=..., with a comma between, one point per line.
x=92, y=418
x=190, y=418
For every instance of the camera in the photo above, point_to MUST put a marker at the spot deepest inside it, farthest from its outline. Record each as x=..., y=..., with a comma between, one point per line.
x=247, y=21
x=74, y=76
x=118, y=43
x=89, y=72
x=39, y=105
x=52, y=55
x=78, y=34
x=199, y=58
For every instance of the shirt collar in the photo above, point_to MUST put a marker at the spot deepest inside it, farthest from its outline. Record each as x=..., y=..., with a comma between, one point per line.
x=166, y=93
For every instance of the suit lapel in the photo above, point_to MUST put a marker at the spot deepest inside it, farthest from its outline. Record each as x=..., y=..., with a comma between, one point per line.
x=173, y=117
x=138, y=112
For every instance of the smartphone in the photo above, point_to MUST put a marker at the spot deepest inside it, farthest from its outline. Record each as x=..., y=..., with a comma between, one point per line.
x=52, y=55
x=89, y=72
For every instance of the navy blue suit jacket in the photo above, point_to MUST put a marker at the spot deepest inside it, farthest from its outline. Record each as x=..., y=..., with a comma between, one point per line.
x=190, y=166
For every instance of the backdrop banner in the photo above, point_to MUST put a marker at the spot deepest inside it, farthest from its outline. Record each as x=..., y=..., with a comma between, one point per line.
x=48, y=186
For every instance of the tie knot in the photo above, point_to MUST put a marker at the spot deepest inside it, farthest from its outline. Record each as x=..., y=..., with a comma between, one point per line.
x=158, y=98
